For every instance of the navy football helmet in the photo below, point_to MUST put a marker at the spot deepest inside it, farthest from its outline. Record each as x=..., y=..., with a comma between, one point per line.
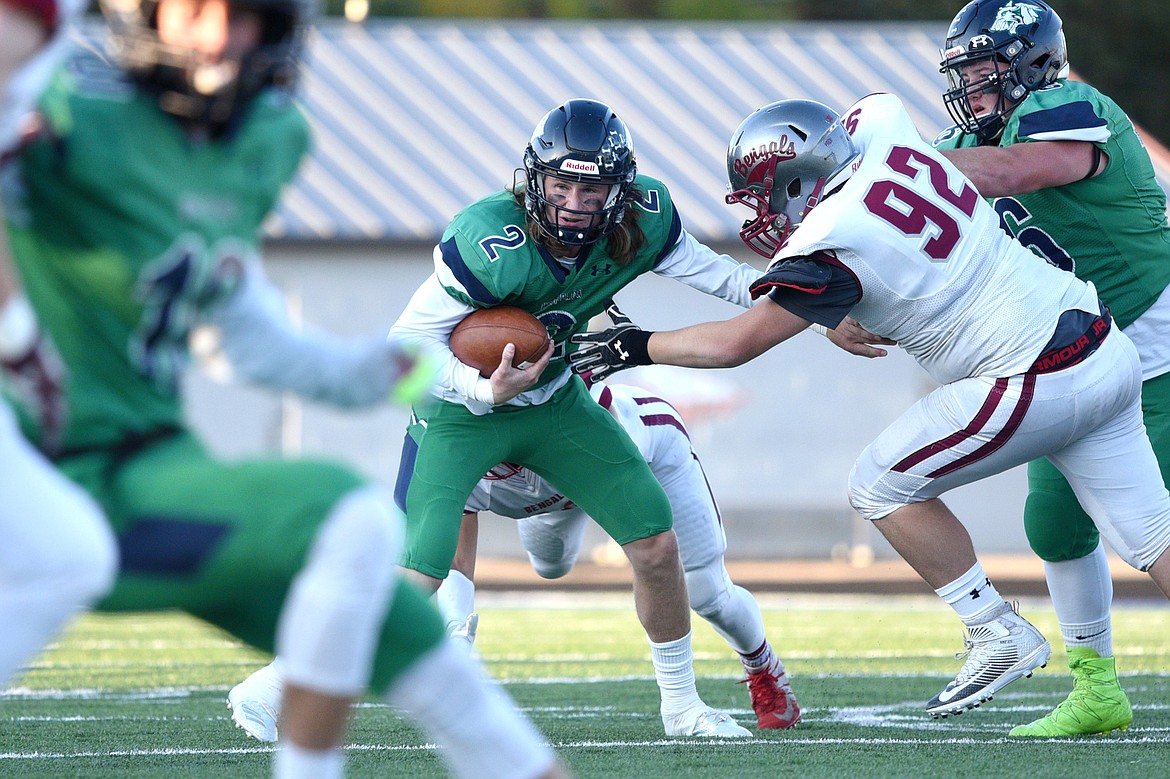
x=200, y=93
x=580, y=140
x=1025, y=41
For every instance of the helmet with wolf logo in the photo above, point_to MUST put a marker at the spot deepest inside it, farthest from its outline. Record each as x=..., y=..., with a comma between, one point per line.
x=1003, y=47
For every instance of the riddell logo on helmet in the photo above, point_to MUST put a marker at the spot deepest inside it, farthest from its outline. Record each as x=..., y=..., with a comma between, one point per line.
x=782, y=149
x=577, y=166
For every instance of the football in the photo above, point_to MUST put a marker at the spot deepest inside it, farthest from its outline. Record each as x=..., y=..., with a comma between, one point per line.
x=479, y=340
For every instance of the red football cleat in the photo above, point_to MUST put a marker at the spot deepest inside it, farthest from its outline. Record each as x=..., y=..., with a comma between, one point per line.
x=772, y=699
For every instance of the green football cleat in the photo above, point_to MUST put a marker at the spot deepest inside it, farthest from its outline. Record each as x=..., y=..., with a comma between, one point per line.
x=1096, y=706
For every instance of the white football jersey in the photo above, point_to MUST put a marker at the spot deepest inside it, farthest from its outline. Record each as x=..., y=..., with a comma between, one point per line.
x=936, y=272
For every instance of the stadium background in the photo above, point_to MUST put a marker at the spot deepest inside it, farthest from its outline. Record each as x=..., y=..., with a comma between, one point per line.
x=415, y=118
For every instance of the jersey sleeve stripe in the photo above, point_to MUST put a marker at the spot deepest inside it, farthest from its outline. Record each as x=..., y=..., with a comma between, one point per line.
x=672, y=237
x=1069, y=122
x=654, y=420
x=453, y=259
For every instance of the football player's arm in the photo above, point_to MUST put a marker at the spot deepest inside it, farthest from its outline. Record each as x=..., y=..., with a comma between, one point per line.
x=728, y=343
x=701, y=267
x=1028, y=167
x=427, y=322
x=266, y=347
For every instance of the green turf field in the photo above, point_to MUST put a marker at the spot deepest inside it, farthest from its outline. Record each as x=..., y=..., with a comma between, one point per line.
x=144, y=696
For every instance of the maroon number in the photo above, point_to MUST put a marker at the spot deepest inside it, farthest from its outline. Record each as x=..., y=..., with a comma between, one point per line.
x=913, y=221
x=912, y=213
x=901, y=160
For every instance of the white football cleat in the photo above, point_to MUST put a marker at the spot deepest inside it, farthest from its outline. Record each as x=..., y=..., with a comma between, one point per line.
x=704, y=721
x=255, y=704
x=1005, y=648
x=256, y=718
x=464, y=632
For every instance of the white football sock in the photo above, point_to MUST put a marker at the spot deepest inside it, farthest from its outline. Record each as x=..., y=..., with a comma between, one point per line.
x=293, y=762
x=972, y=596
x=455, y=598
x=675, y=671
x=1082, y=594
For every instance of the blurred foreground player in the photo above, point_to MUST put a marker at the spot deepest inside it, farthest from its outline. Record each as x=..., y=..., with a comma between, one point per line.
x=138, y=216
x=57, y=555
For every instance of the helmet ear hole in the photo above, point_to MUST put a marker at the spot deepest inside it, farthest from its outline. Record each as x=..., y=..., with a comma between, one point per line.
x=794, y=189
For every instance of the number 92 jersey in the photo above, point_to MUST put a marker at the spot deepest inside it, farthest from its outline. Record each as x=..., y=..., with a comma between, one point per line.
x=935, y=272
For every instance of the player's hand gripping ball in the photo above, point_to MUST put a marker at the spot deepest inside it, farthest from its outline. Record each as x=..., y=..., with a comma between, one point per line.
x=479, y=340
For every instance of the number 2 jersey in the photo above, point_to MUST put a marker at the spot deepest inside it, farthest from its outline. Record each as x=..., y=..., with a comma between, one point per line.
x=925, y=258
x=126, y=232
x=1110, y=229
x=488, y=258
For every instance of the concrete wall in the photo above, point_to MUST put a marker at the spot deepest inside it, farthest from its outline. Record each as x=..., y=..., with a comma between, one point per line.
x=777, y=436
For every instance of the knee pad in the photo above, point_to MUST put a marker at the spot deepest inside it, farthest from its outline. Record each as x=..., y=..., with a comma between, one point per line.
x=729, y=609
x=1057, y=531
x=875, y=492
x=335, y=609
x=553, y=542
x=708, y=587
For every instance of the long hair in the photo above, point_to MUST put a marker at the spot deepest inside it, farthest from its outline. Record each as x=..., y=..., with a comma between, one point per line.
x=623, y=244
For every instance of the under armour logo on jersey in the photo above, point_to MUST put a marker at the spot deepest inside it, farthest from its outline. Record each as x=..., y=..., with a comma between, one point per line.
x=602, y=270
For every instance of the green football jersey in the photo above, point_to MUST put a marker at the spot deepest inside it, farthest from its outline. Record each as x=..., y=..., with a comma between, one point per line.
x=1110, y=229
x=489, y=259
x=126, y=231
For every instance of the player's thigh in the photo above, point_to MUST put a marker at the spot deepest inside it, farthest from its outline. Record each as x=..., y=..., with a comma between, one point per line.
x=451, y=456
x=1117, y=479
x=591, y=459
x=222, y=540
x=1058, y=527
x=958, y=434
x=697, y=522
x=48, y=523
x=1156, y=414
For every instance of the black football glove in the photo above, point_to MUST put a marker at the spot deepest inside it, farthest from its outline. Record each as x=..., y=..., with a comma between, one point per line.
x=606, y=352
x=805, y=275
